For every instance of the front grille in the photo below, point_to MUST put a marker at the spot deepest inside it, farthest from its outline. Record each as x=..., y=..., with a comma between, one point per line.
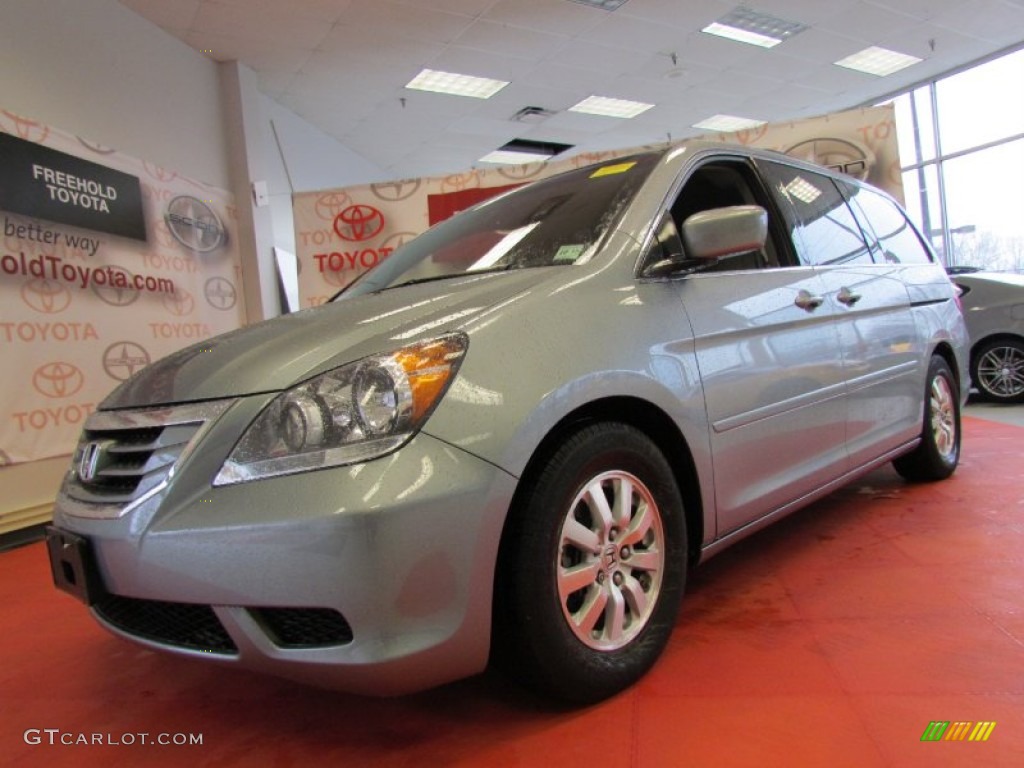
x=185, y=625
x=303, y=627
x=123, y=455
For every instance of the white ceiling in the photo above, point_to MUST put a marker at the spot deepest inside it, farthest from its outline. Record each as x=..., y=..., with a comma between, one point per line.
x=343, y=64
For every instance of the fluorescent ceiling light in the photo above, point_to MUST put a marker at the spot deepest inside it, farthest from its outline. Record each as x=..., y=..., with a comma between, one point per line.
x=727, y=123
x=746, y=26
x=513, y=157
x=456, y=84
x=604, y=5
x=878, y=61
x=602, y=105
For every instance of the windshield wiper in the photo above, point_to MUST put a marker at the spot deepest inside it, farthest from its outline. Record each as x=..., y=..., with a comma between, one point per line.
x=449, y=275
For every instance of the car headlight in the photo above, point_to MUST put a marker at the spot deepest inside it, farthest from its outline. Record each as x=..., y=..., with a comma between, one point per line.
x=353, y=413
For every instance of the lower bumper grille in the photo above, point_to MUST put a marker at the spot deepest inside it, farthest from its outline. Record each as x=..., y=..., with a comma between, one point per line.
x=184, y=625
x=303, y=627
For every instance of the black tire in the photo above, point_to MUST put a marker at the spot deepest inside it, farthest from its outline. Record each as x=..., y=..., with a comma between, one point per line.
x=997, y=370
x=937, y=455
x=563, y=552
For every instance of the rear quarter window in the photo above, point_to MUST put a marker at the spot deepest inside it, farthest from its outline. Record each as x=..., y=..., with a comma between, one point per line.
x=895, y=240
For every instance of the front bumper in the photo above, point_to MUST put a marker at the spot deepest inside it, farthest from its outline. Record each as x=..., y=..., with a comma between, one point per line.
x=402, y=547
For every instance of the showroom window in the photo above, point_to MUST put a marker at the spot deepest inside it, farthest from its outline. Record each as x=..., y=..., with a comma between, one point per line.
x=961, y=141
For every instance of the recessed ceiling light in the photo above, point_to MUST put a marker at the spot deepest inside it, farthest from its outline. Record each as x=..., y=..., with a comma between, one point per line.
x=602, y=105
x=727, y=123
x=746, y=26
x=878, y=61
x=520, y=151
x=456, y=84
x=604, y=5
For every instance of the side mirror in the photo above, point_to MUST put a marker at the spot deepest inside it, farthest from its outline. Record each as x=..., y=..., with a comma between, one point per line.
x=723, y=232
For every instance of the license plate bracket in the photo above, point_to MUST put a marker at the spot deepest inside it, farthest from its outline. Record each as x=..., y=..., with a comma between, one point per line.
x=72, y=565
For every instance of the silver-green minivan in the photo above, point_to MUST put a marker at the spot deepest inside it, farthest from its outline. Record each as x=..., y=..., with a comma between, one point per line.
x=512, y=439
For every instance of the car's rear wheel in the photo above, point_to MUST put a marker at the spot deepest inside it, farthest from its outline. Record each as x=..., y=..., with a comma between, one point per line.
x=593, y=567
x=997, y=370
x=937, y=455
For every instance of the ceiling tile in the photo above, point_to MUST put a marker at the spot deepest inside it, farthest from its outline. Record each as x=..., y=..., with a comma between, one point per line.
x=510, y=41
x=867, y=22
x=274, y=25
x=176, y=16
x=390, y=19
x=553, y=16
x=599, y=59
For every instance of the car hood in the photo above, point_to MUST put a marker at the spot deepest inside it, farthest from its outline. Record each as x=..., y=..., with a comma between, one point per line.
x=1004, y=278
x=275, y=354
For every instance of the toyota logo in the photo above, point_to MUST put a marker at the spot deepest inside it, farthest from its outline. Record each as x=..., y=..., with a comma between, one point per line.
x=194, y=224
x=57, y=380
x=220, y=293
x=457, y=182
x=359, y=222
x=46, y=296
x=520, y=172
x=116, y=296
x=123, y=358
x=179, y=303
x=29, y=129
x=330, y=204
x=394, y=191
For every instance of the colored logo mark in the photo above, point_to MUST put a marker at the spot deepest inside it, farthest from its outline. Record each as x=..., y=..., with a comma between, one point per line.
x=944, y=730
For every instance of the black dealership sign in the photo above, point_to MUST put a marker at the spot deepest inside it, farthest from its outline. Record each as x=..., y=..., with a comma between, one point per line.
x=46, y=184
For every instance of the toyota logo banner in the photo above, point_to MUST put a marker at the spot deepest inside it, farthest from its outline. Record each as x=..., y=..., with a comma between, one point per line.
x=107, y=263
x=341, y=233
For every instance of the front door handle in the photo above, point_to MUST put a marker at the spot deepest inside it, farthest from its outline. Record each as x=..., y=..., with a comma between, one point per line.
x=808, y=301
x=847, y=297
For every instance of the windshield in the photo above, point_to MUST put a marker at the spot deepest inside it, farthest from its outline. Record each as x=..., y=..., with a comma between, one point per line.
x=554, y=222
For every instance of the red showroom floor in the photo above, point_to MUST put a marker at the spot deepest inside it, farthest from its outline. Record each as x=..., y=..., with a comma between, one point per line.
x=834, y=638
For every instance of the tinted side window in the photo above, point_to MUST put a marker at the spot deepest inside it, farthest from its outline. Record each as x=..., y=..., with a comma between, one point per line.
x=824, y=229
x=897, y=240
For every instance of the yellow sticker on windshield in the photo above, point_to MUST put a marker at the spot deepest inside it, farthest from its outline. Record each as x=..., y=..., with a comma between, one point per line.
x=608, y=170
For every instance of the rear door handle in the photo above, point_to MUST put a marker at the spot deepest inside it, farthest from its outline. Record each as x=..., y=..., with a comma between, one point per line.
x=808, y=301
x=847, y=297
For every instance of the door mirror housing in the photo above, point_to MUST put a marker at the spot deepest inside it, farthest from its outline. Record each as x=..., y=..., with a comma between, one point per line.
x=723, y=232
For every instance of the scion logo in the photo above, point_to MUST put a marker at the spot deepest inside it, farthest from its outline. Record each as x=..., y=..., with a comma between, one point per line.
x=123, y=358
x=113, y=295
x=57, y=380
x=220, y=293
x=330, y=204
x=28, y=129
x=179, y=303
x=194, y=224
x=394, y=191
x=359, y=222
x=843, y=155
x=46, y=296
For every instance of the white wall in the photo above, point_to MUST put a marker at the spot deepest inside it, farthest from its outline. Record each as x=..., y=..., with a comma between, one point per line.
x=304, y=158
x=96, y=69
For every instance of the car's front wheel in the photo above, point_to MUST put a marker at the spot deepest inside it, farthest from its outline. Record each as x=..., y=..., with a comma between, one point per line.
x=997, y=370
x=937, y=455
x=593, y=567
